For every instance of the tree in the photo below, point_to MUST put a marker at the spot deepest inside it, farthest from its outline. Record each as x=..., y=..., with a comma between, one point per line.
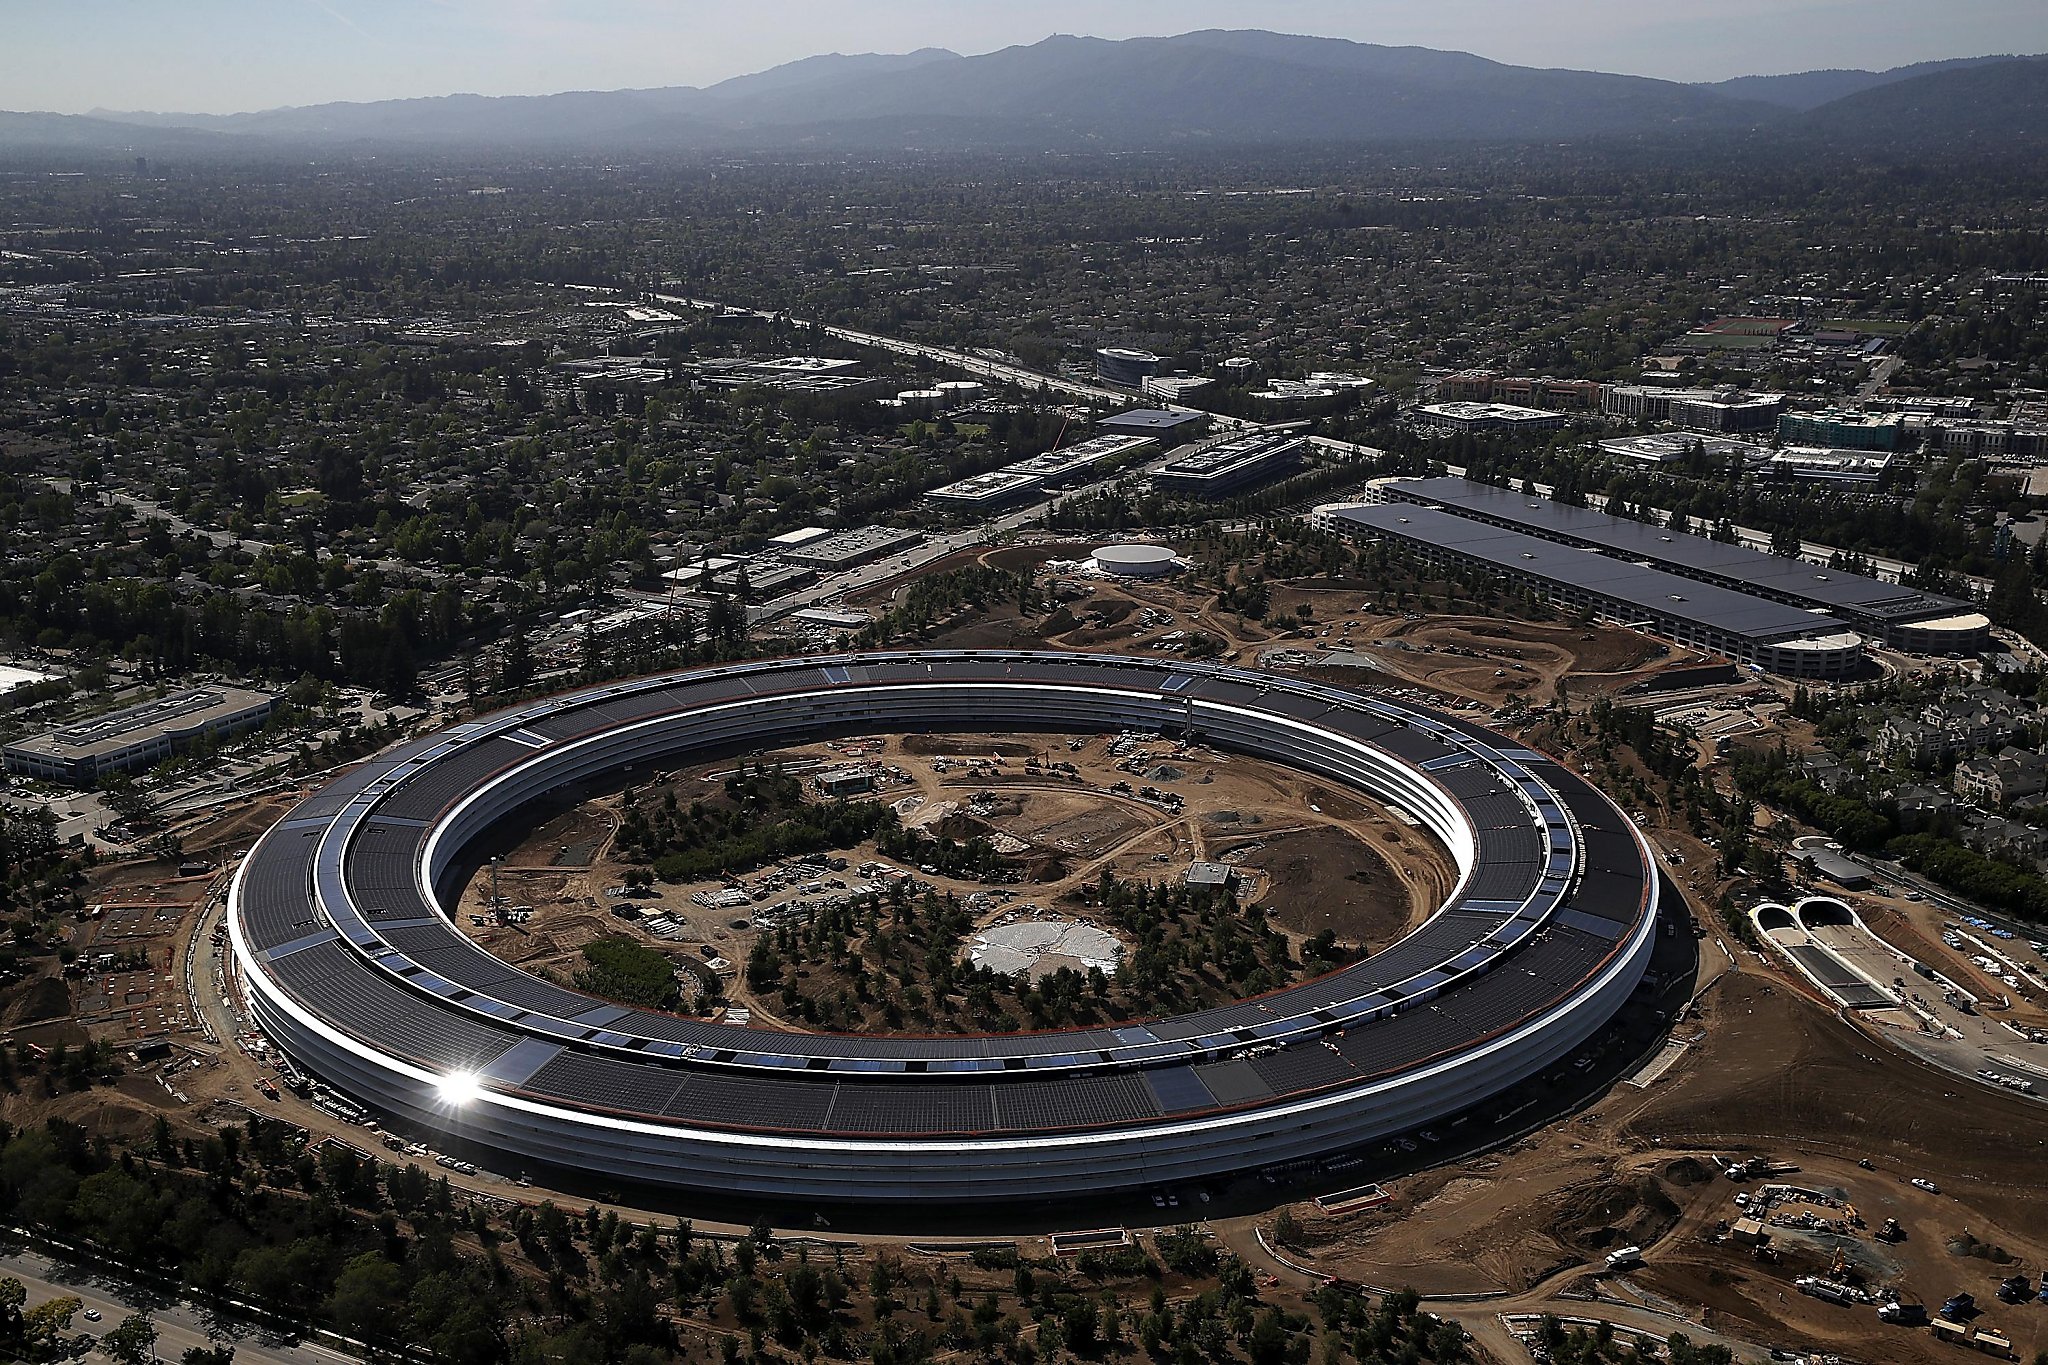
x=368, y=1296
x=132, y=1341
x=44, y=1323
x=129, y=803
x=1268, y=1345
x=13, y=1294
x=208, y=1354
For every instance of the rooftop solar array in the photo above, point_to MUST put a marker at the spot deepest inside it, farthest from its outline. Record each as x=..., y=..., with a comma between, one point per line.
x=1854, y=596
x=1650, y=591
x=331, y=907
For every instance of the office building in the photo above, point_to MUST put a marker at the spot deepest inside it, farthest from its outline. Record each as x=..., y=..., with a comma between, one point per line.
x=1856, y=468
x=1673, y=447
x=1155, y=422
x=1905, y=618
x=138, y=736
x=1841, y=429
x=850, y=549
x=1124, y=367
x=1476, y=417
x=1230, y=464
x=1770, y=635
x=985, y=492
x=1083, y=461
x=1694, y=409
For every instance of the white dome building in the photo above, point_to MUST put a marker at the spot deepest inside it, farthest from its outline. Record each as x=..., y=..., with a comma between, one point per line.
x=1137, y=561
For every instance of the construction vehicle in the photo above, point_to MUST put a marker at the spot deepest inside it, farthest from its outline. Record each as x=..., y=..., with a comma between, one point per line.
x=1623, y=1257
x=1832, y=1291
x=1959, y=1305
x=2015, y=1289
x=1891, y=1231
x=1902, y=1314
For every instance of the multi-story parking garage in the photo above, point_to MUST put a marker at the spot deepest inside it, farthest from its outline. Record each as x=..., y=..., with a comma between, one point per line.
x=351, y=963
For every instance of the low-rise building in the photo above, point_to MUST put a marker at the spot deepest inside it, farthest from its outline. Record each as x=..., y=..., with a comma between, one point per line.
x=1816, y=465
x=1224, y=466
x=1725, y=409
x=1078, y=463
x=1176, y=388
x=1670, y=447
x=1487, y=417
x=842, y=782
x=1842, y=429
x=1158, y=423
x=985, y=492
x=138, y=736
x=850, y=549
x=1832, y=866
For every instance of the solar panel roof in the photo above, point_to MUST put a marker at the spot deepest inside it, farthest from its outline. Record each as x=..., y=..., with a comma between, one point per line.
x=1652, y=591
x=1735, y=566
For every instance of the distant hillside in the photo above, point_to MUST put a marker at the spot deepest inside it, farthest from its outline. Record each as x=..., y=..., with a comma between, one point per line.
x=676, y=114
x=811, y=71
x=1250, y=87
x=1805, y=90
x=2002, y=104
x=1233, y=87
x=79, y=132
x=1212, y=88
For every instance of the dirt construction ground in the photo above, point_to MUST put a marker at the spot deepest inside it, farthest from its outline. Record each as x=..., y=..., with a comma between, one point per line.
x=1768, y=1072
x=1477, y=658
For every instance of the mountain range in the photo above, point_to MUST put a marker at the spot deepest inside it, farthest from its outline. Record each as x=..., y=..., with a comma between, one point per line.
x=1208, y=88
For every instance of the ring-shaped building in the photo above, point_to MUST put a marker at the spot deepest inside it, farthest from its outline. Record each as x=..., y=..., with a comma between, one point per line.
x=352, y=964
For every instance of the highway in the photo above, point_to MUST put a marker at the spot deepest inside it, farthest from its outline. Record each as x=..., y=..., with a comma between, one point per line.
x=180, y=1325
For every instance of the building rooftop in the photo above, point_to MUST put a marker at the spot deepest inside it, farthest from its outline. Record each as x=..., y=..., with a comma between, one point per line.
x=1211, y=459
x=1654, y=591
x=1483, y=412
x=1676, y=445
x=178, y=713
x=1734, y=565
x=1150, y=421
x=1054, y=464
x=996, y=483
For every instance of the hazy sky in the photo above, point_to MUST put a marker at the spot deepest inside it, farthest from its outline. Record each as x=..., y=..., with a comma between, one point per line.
x=226, y=55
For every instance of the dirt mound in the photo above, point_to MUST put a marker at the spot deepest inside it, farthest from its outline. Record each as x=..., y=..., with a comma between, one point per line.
x=1327, y=879
x=1686, y=1172
x=46, y=997
x=1599, y=1217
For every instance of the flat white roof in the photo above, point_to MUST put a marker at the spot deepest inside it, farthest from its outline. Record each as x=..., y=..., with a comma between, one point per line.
x=12, y=677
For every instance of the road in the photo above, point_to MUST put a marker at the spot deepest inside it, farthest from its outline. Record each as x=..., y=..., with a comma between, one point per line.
x=964, y=361
x=1880, y=375
x=180, y=1325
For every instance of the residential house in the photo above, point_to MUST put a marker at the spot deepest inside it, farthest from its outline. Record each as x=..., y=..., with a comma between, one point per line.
x=1996, y=781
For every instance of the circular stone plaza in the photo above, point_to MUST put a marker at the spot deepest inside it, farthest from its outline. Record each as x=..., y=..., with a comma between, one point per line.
x=351, y=963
